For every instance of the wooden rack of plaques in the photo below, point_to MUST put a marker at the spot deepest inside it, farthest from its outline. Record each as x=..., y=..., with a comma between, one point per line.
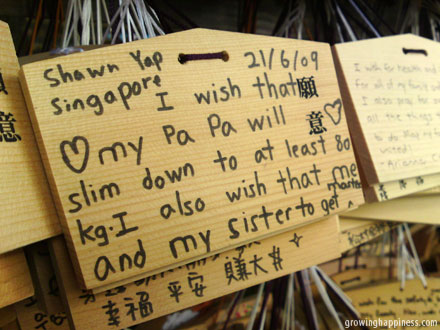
x=149, y=177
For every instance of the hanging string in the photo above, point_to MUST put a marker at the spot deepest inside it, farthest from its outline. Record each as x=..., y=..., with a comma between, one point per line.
x=345, y=22
x=288, y=315
x=379, y=17
x=136, y=21
x=38, y=19
x=325, y=297
x=415, y=256
x=247, y=15
x=433, y=7
x=255, y=308
x=259, y=324
x=237, y=297
x=365, y=18
x=293, y=19
x=406, y=259
x=59, y=18
x=340, y=295
x=411, y=19
x=177, y=319
x=86, y=20
x=307, y=300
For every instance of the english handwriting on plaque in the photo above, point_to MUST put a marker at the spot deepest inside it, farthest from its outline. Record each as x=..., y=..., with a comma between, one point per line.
x=121, y=94
x=414, y=89
x=412, y=304
x=81, y=154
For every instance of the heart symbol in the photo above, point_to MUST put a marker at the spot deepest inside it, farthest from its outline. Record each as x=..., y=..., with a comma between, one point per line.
x=74, y=146
x=334, y=111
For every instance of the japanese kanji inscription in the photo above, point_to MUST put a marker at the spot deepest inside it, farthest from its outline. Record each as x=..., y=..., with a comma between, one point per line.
x=197, y=282
x=28, y=212
x=154, y=162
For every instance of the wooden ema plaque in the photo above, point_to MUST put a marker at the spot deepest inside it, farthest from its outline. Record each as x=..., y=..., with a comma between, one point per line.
x=197, y=282
x=15, y=279
x=351, y=238
x=361, y=277
x=390, y=307
x=28, y=213
x=429, y=192
x=381, y=192
x=414, y=209
x=163, y=151
x=390, y=89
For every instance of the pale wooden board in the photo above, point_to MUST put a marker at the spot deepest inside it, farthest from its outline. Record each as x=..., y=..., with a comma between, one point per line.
x=388, y=302
x=394, y=189
x=28, y=213
x=433, y=191
x=142, y=276
x=46, y=287
x=317, y=243
x=393, y=141
x=89, y=132
x=15, y=280
x=347, y=223
x=354, y=237
x=406, y=209
x=29, y=316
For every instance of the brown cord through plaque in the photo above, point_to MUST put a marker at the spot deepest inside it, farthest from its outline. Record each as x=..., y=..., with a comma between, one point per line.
x=183, y=58
x=414, y=51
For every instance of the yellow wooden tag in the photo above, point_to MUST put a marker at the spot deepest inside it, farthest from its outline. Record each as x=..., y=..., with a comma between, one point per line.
x=390, y=90
x=361, y=277
x=15, y=279
x=432, y=191
x=28, y=214
x=155, y=162
x=348, y=224
x=390, y=190
x=416, y=209
x=413, y=305
x=354, y=237
x=197, y=282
